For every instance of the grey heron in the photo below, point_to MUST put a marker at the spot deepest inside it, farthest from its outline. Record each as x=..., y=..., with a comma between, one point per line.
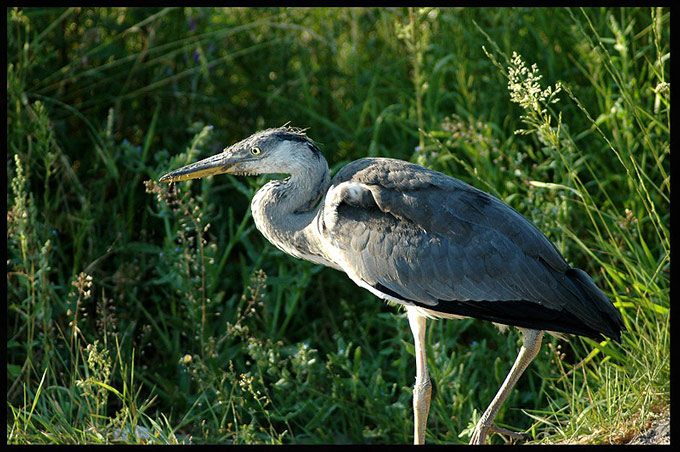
x=419, y=238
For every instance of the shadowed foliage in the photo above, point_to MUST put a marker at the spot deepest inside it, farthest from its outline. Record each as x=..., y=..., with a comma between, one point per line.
x=138, y=312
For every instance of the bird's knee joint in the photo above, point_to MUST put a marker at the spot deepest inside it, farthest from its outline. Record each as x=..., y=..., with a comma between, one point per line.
x=423, y=387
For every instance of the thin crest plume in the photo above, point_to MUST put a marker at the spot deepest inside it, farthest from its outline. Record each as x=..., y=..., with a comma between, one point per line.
x=297, y=130
x=289, y=132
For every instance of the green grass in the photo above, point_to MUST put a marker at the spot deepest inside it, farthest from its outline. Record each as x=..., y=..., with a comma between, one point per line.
x=136, y=307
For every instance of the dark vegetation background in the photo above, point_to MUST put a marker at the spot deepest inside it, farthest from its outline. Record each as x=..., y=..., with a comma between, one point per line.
x=135, y=308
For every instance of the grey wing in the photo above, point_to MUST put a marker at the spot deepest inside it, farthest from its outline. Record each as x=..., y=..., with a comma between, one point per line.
x=424, y=238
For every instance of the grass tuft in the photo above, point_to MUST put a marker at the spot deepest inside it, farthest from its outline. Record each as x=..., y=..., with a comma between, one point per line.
x=143, y=313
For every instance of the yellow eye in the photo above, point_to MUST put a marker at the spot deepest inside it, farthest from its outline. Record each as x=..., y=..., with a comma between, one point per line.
x=255, y=150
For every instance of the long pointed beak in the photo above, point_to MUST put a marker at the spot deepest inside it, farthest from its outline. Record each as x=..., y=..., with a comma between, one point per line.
x=216, y=164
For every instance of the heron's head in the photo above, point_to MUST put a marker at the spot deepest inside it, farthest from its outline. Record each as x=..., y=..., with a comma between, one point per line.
x=280, y=150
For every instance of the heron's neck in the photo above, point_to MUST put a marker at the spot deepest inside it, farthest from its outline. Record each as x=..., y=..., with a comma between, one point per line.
x=283, y=210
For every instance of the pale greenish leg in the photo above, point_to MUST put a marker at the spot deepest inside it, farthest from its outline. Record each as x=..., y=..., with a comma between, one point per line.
x=422, y=391
x=529, y=350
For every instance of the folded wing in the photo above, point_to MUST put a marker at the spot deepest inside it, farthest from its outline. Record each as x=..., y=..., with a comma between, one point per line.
x=424, y=238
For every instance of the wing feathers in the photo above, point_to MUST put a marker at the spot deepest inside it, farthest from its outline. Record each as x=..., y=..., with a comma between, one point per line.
x=440, y=243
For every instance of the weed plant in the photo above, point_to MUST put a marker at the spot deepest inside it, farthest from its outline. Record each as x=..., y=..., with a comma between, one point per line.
x=143, y=313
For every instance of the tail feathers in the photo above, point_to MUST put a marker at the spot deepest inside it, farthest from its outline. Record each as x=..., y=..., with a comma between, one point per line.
x=609, y=322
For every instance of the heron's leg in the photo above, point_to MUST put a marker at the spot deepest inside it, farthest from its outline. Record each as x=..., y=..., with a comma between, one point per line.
x=529, y=350
x=422, y=390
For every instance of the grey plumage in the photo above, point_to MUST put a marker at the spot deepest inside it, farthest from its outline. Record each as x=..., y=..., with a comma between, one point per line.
x=419, y=238
x=456, y=246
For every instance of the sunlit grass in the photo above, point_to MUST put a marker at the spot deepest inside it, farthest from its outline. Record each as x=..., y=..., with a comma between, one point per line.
x=142, y=313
